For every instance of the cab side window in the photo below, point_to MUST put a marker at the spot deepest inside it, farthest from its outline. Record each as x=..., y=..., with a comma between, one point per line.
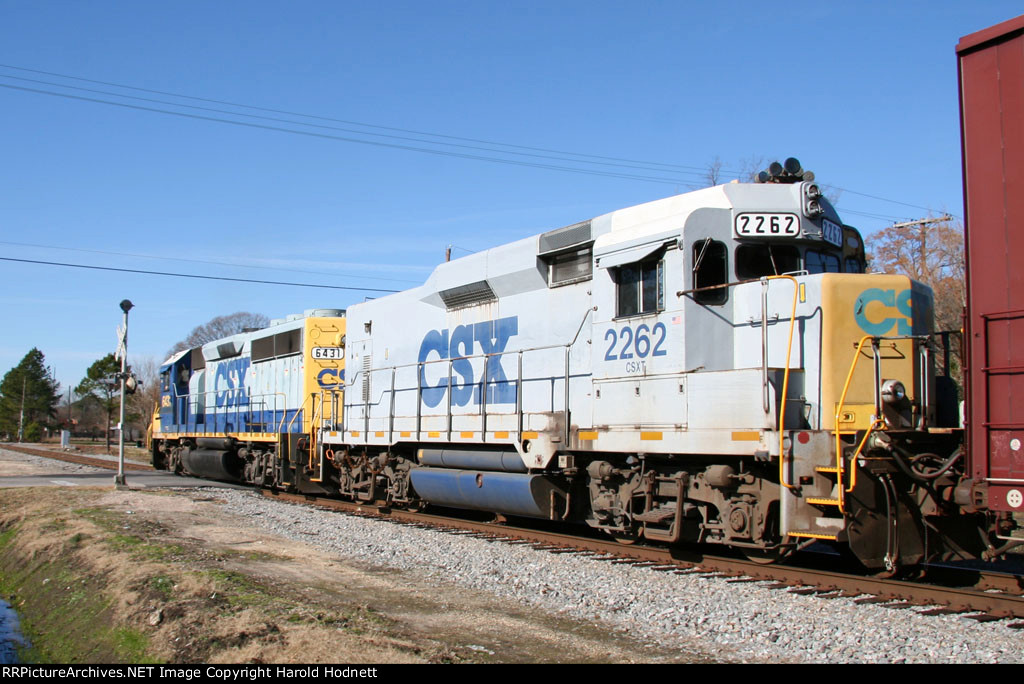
x=640, y=288
x=710, y=269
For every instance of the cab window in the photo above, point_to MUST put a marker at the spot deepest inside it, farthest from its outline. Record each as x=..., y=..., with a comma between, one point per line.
x=821, y=262
x=640, y=288
x=710, y=269
x=764, y=259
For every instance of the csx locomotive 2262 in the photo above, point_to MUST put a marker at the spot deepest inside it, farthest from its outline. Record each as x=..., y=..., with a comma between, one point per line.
x=713, y=367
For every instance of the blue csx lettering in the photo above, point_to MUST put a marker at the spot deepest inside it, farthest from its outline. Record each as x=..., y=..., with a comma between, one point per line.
x=229, y=382
x=491, y=337
x=331, y=378
x=902, y=301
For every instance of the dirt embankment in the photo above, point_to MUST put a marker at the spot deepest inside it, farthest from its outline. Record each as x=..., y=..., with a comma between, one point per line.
x=100, y=575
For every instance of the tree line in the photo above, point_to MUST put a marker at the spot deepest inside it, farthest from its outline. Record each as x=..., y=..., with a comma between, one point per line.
x=30, y=397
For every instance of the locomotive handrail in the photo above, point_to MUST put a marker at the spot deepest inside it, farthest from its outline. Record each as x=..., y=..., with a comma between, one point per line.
x=195, y=399
x=708, y=288
x=352, y=380
x=298, y=411
x=419, y=365
x=877, y=419
x=785, y=375
x=839, y=412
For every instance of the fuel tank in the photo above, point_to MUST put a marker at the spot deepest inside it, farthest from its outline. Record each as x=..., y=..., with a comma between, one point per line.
x=532, y=496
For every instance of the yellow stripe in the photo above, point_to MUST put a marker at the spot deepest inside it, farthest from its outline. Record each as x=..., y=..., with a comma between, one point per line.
x=749, y=436
x=588, y=436
x=500, y=435
x=530, y=435
x=433, y=434
x=378, y=434
x=813, y=535
x=355, y=433
x=466, y=435
x=246, y=436
x=650, y=436
x=406, y=434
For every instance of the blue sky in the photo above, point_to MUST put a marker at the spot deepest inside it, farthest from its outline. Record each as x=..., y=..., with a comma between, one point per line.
x=863, y=93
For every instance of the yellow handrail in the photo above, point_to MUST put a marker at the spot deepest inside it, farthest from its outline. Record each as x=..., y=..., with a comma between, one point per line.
x=785, y=380
x=297, y=412
x=839, y=413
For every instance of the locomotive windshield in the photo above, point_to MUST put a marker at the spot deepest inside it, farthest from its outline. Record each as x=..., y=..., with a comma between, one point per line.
x=758, y=260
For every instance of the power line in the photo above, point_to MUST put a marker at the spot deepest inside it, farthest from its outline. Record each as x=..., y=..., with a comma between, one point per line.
x=349, y=122
x=878, y=217
x=640, y=165
x=199, y=277
x=629, y=163
x=884, y=199
x=312, y=134
x=207, y=261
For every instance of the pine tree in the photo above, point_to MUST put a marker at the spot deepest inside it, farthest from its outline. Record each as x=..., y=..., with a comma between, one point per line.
x=28, y=396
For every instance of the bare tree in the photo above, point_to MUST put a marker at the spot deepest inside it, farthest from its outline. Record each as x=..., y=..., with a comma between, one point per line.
x=745, y=171
x=713, y=173
x=144, y=402
x=751, y=166
x=932, y=253
x=221, y=326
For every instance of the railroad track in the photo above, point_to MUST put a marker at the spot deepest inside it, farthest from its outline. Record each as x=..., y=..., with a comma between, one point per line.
x=74, y=457
x=978, y=594
x=991, y=596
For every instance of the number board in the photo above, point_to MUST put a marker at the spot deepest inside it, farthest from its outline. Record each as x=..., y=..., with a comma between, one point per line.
x=767, y=225
x=832, y=232
x=328, y=353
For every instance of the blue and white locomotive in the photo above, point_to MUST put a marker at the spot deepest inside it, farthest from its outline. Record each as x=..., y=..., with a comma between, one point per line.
x=711, y=367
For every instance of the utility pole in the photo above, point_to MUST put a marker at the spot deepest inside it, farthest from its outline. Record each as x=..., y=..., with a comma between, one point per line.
x=21, y=420
x=923, y=222
x=922, y=238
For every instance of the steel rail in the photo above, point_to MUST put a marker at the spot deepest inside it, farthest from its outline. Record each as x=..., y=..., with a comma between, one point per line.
x=1007, y=602
x=992, y=596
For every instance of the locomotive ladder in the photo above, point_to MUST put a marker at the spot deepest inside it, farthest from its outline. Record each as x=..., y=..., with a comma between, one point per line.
x=844, y=468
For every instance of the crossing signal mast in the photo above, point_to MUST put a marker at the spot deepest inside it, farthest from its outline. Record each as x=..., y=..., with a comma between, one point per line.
x=125, y=375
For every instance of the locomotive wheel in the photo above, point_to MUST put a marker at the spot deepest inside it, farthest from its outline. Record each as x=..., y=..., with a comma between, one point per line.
x=765, y=556
x=625, y=538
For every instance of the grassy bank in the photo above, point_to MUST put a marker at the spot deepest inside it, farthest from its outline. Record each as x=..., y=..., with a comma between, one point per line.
x=93, y=584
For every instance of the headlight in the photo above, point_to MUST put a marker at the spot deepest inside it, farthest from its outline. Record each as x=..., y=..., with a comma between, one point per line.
x=893, y=392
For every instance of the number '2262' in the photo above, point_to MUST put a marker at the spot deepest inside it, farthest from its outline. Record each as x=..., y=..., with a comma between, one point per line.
x=639, y=342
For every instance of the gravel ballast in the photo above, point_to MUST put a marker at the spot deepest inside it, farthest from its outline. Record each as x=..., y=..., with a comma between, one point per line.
x=735, y=621
x=739, y=622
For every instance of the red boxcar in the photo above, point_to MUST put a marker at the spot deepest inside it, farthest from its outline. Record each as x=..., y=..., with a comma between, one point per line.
x=991, y=72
